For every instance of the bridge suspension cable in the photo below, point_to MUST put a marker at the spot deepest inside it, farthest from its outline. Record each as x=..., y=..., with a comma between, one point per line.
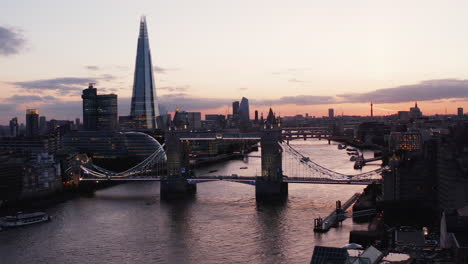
x=314, y=169
x=156, y=158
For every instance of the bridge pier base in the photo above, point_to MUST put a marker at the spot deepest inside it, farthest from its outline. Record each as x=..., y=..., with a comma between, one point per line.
x=271, y=191
x=177, y=188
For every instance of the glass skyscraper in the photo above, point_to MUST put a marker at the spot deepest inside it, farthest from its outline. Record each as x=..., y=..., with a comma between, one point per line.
x=144, y=108
x=244, y=111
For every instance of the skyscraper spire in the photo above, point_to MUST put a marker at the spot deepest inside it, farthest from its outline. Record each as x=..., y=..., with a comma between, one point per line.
x=144, y=107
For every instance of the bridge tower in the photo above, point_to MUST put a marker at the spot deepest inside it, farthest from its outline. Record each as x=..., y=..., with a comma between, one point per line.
x=175, y=184
x=270, y=185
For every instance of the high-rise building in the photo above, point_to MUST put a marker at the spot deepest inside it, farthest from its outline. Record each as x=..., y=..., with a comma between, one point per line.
x=32, y=122
x=144, y=107
x=244, y=115
x=235, y=108
x=256, y=116
x=460, y=112
x=244, y=112
x=331, y=113
x=99, y=111
x=14, y=127
x=42, y=124
x=194, y=120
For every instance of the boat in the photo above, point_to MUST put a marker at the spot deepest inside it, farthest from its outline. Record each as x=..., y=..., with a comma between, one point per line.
x=359, y=163
x=243, y=168
x=341, y=146
x=353, y=158
x=21, y=219
x=351, y=149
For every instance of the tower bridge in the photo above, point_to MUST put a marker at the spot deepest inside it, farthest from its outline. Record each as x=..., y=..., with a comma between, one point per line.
x=172, y=167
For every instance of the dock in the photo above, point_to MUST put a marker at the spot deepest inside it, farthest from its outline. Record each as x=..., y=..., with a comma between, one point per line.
x=336, y=217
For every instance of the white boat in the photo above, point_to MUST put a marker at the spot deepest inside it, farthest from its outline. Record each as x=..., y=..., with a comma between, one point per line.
x=21, y=219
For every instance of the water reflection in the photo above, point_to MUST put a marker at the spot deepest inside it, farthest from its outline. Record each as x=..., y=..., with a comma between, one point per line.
x=179, y=229
x=272, y=224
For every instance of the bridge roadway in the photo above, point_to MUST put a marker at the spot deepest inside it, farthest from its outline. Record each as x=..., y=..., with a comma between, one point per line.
x=242, y=179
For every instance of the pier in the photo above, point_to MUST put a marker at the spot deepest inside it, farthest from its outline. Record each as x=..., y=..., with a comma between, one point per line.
x=336, y=217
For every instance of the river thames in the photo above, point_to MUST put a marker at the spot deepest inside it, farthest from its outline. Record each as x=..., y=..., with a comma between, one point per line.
x=128, y=223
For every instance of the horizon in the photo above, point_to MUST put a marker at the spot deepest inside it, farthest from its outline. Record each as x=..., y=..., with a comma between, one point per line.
x=46, y=65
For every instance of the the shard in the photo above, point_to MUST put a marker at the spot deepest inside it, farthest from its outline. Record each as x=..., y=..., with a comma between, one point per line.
x=144, y=108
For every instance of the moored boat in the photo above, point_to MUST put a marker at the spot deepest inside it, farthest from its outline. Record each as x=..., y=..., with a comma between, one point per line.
x=21, y=219
x=341, y=146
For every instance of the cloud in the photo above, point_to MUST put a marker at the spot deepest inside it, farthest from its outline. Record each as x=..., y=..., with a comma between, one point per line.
x=11, y=41
x=179, y=89
x=62, y=85
x=243, y=89
x=159, y=69
x=7, y=108
x=423, y=91
x=21, y=99
x=292, y=71
x=189, y=103
x=297, y=100
x=107, y=77
x=92, y=67
x=295, y=80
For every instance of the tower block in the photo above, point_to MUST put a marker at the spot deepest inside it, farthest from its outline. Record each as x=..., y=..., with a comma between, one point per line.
x=175, y=184
x=270, y=185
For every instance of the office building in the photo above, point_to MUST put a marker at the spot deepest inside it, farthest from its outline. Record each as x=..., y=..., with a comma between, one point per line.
x=460, y=112
x=194, y=120
x=42, y=124
x=214, y=122
x=32, y=122
x=187, y=120
x=99, y=111
x=331, y=113
x=244, y=112
x=14, y=127
x=235, y=108
x=144, y=106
